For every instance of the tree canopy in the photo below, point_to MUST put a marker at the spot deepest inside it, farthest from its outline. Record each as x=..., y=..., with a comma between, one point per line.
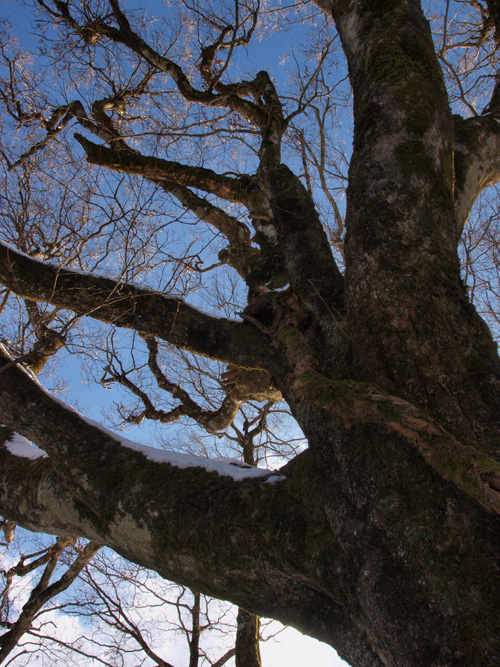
x=200, y=232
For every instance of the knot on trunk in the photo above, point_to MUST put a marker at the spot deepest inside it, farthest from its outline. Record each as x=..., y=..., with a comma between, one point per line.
x=250, y=385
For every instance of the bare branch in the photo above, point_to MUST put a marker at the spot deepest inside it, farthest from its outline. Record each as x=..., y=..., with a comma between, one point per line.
x=45, y=591
x=59, y=119
x=239, y=254
x=230, y=97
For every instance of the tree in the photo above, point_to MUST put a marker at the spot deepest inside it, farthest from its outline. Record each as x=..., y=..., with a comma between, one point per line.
x=44, y=590
x=382, y=538
x=128, y=612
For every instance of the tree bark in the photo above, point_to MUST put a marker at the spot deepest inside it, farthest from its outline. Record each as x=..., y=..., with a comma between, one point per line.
x=247, y=640
x=383, y=538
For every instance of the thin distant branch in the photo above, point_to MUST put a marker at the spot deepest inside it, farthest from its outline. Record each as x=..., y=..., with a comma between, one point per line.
x=44, y=590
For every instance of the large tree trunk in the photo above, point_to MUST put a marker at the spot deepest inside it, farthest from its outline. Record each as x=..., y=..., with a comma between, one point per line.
x=383, y=538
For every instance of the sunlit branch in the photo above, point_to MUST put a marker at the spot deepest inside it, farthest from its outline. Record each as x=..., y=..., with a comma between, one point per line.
x=99, y=124
x=240, y=385
x=208, y=52
x=211, y=420
x=59, y=119
x=125, y=35
x=48, y=340
x=239, y=254
x=265, y=112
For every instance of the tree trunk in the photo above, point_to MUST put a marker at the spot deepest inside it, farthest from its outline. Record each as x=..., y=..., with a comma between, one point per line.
x=383, y=538
x=247, y=640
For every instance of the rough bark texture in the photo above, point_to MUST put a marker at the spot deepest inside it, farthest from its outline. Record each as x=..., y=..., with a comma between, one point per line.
x=383, y=538
x=247, y=640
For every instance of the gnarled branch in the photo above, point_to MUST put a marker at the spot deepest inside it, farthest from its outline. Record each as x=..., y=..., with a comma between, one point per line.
x=477, y=162
x=244, y=190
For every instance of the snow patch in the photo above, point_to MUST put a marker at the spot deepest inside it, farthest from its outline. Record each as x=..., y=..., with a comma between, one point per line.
x=19, y=446
x=266, y=228
x=225, y=468
x=274, y=479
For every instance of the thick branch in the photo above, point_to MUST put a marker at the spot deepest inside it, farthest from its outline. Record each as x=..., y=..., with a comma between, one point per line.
x=307, y=256
x=239, y=254
x=243, y=190
x=239, y=384
x=235, y=231
x=210, y=420
x=168, y=519
x=477, y=162
x=247, y=640
x=275, y=126
x=142, y=310
x=493, y=7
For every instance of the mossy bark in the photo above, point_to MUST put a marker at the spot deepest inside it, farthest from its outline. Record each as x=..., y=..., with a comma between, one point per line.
x=379, y=539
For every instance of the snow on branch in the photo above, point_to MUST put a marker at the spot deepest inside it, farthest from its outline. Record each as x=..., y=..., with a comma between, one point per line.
x=84, y=437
